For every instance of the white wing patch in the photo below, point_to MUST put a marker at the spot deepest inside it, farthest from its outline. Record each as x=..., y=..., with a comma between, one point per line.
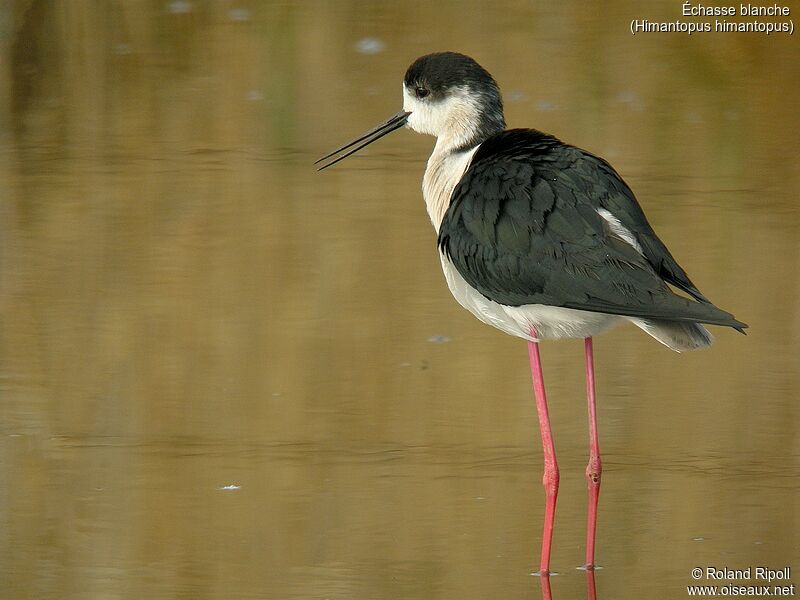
x=620, y=230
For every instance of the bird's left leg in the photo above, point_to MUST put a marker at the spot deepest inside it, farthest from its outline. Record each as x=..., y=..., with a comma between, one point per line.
x=594, y=469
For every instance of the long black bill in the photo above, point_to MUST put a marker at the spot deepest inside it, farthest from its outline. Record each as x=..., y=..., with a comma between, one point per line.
x=395, y=122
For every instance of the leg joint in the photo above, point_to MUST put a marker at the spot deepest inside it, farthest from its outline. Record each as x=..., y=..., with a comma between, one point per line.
x=551, y=478
x=594, y=470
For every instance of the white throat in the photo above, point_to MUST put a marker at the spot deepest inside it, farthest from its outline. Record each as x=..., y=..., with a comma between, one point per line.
x=454, y=121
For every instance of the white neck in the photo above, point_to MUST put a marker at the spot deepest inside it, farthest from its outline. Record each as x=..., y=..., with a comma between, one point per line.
x=444, y=171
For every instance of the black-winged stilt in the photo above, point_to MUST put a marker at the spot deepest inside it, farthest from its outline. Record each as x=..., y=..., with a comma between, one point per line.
x=539, y=239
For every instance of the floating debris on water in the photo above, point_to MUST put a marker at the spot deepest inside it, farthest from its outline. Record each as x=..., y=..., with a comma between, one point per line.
x=545, y=105
x=239, y=14
x=438, y=339
x=630, y=98
x=694, y=117
x=179, y=7
x=229, y=487
x=370, y=45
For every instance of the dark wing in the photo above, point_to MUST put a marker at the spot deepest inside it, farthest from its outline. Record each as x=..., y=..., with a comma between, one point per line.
x=620, y=201
x=523, y=228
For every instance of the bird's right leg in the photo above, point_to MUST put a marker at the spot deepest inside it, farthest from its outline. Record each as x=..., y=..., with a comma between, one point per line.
x=550, y=477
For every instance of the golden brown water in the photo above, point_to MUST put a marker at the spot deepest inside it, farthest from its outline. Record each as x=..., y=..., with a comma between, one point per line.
x=224, y=375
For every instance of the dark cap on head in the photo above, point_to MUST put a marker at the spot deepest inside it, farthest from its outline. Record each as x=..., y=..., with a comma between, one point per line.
x=441, y=71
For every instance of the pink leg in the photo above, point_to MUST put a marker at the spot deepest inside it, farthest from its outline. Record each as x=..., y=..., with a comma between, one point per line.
x=550, y=478
x=594, y=469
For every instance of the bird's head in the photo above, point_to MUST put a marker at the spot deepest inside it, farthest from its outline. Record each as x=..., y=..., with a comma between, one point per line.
x=447, y=95
x=452, y=97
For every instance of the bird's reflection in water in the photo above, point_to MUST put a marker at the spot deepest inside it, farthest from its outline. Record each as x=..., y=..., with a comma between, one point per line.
x=591, y=592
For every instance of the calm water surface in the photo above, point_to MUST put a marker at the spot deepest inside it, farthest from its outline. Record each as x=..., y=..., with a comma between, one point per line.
x=224, y=375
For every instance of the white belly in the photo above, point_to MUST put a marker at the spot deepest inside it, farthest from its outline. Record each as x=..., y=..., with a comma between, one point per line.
x=548, y=322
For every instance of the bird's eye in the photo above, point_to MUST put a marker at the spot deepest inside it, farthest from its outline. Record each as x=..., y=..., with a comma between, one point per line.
x=422, y=92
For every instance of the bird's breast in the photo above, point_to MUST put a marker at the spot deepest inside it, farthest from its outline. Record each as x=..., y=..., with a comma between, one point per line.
x=445, y=169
